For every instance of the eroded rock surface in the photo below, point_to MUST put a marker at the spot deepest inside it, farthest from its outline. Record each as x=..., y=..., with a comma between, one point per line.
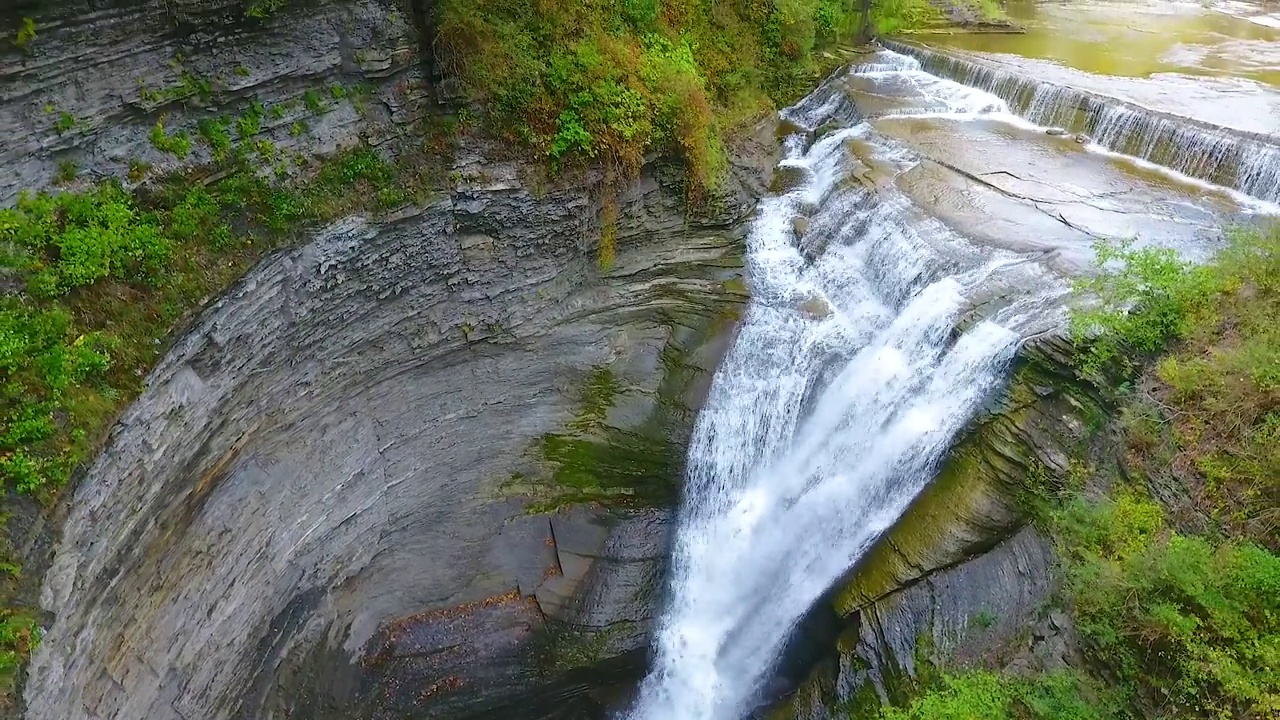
x=347, y=457
x=88, y=89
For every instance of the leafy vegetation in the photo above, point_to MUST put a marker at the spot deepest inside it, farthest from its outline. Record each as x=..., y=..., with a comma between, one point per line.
x=1212, y=413
x=895, y=16
x=262, y=9
x=991, y=696
x=177, y=144
x=19, y=635
x=1188, y=625
x=66, y=121
x=106, y=273
x=613, y=80
x=26, y=33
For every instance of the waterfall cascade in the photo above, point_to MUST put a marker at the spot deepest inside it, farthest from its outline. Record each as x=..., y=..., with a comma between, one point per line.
x=1246, y=162
x=852, y=373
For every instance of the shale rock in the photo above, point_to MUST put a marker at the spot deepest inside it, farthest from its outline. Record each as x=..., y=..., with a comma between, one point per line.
x=332, y=499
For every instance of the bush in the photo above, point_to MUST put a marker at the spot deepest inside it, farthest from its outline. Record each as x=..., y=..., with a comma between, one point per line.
x=72, y=240
x=981, y=695
x=1190, y=626
x=583, y=80
x=1154, y=296
x=107, y=273
x=1219, y=388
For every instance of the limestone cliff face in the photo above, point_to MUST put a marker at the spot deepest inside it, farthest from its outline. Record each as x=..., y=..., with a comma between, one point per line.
x=426, y=461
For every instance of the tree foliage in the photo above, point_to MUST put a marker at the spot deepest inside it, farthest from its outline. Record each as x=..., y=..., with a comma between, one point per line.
x=615, y=80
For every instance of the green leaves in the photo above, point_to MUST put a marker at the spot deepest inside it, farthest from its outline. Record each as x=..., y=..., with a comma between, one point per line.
x=576, y=81
x=1149, y=297
x=571, y=136
x=40, y=361
x=73, y=240
x=983, y=695
x=1181, y=620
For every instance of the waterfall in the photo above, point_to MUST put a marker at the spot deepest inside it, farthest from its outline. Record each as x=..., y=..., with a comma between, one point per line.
x=1246, y=162
x=856, y=365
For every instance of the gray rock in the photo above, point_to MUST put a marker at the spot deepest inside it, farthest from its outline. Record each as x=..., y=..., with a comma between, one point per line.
x=320, y=469
x=954, y=617
x=816, y=308
x=799, y=226
x=114, y=72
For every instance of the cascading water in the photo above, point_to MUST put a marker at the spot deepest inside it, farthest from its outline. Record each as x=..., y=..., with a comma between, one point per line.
x=847, y=383
x=1243, y=161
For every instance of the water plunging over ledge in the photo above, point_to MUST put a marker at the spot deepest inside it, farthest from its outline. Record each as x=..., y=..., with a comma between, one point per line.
x=1247, y=162
x=848, y=381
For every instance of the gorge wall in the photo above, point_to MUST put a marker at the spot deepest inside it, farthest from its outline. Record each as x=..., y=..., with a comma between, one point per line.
x=422, y=459
x=93, y=79
x=428, y=460
x=357, y=432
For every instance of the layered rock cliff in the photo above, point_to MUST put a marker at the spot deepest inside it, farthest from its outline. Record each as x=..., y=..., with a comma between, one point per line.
x=87, y=83
x=360, y=435
x=421, y=460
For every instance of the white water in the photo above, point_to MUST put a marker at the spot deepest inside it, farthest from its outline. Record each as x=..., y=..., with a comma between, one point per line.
x=1189, y=158
x=1246, y=163
x=820, y=430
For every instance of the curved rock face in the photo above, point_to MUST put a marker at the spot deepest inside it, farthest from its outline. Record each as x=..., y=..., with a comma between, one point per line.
x=349, y=489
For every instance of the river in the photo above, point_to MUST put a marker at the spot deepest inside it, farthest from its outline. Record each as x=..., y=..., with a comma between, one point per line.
x=942, y=192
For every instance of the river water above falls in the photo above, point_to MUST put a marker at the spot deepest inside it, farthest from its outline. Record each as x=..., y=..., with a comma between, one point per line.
x=928, y=223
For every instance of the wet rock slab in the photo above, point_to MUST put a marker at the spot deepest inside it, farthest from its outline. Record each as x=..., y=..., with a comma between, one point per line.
x=1023, y=190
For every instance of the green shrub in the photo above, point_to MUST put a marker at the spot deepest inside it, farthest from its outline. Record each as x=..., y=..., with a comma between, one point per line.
x=67, y=171
x=982, y=695
x=178, y=144
x=194, y=217
x=215, y=134
x=26, y=33
x=897, y=16
x=66, y=121
x=262, y=9
x=250, y=122
x=1219, y=387
x=19, y=635
x=312, y=100
x=834, y=20
x=1154, y=296
x=616, y=80
x=72, y=240
x=1190, y=626
x=106, y=274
